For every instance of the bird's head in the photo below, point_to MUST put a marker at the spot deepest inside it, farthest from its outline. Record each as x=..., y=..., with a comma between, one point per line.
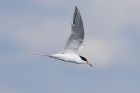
x=85, y=60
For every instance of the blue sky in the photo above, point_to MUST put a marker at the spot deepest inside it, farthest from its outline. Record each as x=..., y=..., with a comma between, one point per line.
x=112, y=41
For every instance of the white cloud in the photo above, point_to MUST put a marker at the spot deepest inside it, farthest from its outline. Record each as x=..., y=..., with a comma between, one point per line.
x=107, y=43
x=97, y=51
x=109, y=21
x=101, y=52
x=104, y=22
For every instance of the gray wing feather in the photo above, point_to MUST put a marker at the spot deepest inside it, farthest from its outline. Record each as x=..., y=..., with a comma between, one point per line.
x=77, y=35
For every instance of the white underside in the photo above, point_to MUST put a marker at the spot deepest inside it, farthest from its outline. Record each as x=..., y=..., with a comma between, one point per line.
x=68, y=58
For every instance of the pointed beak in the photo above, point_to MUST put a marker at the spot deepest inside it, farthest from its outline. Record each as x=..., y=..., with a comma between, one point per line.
x=88, y=63
x=91, y=65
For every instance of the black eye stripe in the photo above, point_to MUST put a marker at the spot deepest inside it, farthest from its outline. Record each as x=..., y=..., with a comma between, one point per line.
x=83, y=58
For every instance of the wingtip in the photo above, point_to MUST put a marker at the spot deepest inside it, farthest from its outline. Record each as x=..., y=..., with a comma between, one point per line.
x=76, y=8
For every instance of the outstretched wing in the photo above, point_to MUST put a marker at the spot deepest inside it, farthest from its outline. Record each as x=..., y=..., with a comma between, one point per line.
x=77, y=35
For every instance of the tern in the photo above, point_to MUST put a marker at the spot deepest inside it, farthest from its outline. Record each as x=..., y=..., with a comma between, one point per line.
x=74, y=43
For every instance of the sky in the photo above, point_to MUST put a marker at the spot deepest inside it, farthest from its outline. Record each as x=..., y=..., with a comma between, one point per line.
x=112, y=46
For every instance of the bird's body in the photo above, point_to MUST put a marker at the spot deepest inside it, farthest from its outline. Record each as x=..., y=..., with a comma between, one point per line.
x=74, y=43
x=68, y=58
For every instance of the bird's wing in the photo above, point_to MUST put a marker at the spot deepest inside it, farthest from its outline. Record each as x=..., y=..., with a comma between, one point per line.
x=81, y=47
x=77, y=35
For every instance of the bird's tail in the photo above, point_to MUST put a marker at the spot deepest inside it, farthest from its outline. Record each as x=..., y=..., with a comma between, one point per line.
x=39, y=55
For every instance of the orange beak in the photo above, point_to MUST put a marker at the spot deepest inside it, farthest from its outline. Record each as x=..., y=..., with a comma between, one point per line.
x=88, y=63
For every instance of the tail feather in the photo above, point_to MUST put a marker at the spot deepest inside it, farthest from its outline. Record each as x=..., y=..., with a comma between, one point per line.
x=39, y=55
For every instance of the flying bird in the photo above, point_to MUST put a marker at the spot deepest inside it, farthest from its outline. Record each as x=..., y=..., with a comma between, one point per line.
x=74, y=43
